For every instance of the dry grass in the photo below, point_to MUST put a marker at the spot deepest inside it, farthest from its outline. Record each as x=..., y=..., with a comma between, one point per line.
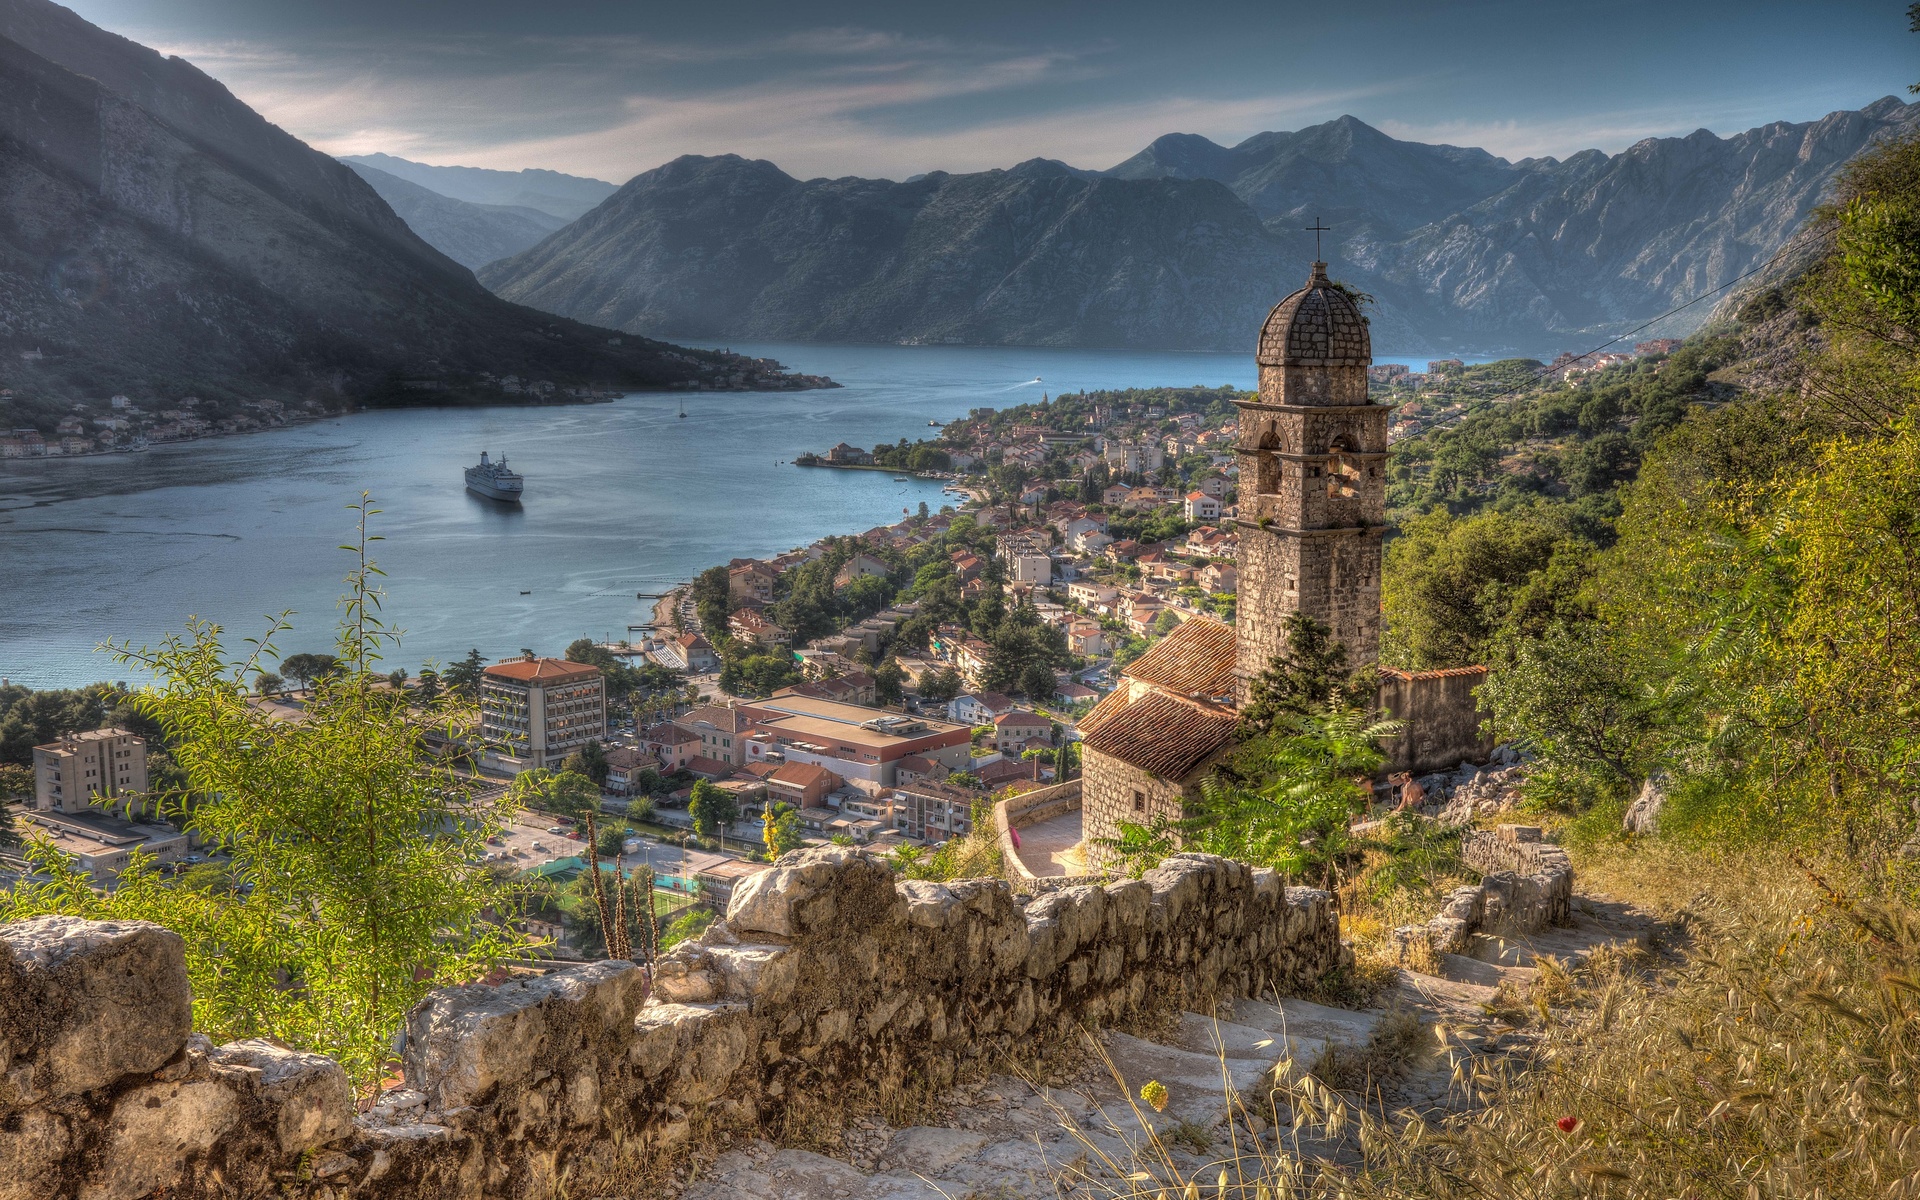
x=1779, y=1059
x=1400, y=1043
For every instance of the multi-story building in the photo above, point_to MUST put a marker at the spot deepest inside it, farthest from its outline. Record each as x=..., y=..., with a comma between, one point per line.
x=536, y=711
x=751, y=583
x=1026, y=557
x=100, y=769
x=722, y=732
x=933, y=812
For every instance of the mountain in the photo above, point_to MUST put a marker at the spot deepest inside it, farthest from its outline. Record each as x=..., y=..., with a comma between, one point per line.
x=1186, y=244
x=1040, y=254
x=1343, y=171
x=158, y=237
x=472, y=235
x=558, y=195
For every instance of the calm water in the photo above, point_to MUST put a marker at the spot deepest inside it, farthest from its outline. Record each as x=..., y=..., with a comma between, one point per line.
x=621, y=497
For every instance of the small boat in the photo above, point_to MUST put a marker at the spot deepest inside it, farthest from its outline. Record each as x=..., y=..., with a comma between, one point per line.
x=526, y=591
x=683, y=410
x=900, y=479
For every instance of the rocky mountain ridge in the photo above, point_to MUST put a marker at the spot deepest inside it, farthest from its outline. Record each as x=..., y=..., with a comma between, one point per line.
x=1186, y=245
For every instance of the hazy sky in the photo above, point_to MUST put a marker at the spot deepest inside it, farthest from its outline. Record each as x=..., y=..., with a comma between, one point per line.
x=851, y=87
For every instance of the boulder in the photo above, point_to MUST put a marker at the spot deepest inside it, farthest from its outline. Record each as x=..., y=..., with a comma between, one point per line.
x=1643, y=815
x=465, y=1043
x=85, y=1003
x=306, y=1096
x=155, y=1132
x=770, y=903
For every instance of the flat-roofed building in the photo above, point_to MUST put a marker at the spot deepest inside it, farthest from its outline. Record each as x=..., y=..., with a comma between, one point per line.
x=536, y=711
x=864, y=746
x=932, y=811
x=101, y=769
x=104, y=845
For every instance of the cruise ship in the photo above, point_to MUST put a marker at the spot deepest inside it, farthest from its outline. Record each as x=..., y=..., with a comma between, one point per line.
x=494, y=481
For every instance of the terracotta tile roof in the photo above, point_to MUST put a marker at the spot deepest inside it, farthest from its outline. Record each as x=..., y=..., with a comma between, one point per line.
x=1162, y=735
x=1195, y=659
x=701, y=765
x=669, y=735
x=543, y=670
x=1018, y=718
x=802, y=775
x=1005, y=769
x=1113, y=702
x=727, y=720
x=1438, y=673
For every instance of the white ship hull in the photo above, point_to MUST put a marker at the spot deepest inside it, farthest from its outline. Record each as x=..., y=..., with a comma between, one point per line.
x=494, y=492
x=494, y=481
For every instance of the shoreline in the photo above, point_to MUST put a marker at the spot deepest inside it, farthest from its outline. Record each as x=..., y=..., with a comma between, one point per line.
x=358, y=409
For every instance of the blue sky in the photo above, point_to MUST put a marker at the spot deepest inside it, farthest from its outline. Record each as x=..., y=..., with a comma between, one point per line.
x=610, y=89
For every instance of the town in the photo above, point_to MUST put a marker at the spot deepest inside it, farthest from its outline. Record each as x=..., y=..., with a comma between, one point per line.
x=880, y=689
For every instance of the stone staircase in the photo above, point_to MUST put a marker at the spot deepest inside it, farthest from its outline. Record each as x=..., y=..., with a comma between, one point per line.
x=1005, y=1138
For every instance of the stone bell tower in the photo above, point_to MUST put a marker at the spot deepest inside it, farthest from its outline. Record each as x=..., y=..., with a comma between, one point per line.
x=1312, y=505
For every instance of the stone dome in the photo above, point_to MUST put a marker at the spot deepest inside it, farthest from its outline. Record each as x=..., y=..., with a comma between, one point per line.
x=1317, y=326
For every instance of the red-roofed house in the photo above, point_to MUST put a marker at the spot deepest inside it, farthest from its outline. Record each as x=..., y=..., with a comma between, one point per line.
x=1201, y=507
x=673, y=746
x=860, y=566
x=752, y=581
x=749, y=624
x=1012, y=730
x=709, y=768
x=689, y=652
x=803, y=785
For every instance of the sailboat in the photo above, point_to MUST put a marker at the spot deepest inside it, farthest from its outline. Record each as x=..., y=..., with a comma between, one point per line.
x=683, y=410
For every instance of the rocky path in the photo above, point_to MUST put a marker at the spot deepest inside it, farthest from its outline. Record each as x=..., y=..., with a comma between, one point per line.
x=1007, y=1139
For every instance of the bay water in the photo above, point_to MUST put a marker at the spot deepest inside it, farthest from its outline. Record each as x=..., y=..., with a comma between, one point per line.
x=621, y=498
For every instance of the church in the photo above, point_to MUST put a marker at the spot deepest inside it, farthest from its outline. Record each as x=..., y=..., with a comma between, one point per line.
x=1312, y=453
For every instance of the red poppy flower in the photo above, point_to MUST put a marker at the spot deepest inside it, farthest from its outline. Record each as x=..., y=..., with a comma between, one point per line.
x=1568, y=1124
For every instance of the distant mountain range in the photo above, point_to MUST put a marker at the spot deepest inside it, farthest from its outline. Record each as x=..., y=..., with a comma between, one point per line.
x=1186, y=244
x=558, y=195
x=158, y=237
x=472, y=235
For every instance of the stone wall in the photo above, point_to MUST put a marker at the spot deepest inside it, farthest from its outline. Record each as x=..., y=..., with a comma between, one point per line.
x=830, y=985
x=1113, y=790
x=1332, y=576
x=1526, y=885
x=1442, y=715
x=1030, y=808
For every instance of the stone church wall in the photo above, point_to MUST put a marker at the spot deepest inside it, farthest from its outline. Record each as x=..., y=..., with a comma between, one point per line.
x=1112, y=791
x=1444, y=725
x=1333, y=578
x=830, y=985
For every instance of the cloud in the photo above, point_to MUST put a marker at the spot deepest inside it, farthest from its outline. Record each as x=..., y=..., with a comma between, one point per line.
x=831, y=101
x=817, y=102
